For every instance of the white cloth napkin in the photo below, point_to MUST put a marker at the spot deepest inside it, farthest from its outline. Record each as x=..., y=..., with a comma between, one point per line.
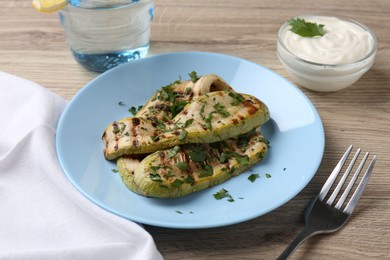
x=42, y=216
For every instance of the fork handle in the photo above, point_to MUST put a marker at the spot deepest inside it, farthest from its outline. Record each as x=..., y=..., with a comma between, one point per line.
x=302, y=236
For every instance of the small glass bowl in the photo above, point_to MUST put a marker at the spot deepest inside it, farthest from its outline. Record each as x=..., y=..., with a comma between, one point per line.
x=324, y=77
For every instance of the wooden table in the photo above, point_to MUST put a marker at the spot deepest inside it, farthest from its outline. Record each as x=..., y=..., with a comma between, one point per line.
x=32, y=45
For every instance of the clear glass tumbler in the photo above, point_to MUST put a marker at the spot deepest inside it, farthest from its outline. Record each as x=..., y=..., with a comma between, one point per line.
x=105, y=33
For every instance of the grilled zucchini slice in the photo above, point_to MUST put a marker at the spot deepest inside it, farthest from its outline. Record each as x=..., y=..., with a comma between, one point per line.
x=210, y=118
x=185, y=169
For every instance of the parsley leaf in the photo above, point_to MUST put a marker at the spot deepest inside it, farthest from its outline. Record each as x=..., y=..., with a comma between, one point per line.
x=188, y=122
x=237, y=98
x=167, y=94
x=177, y=183
x=194, y=76
x=306, y=29
x=134, y=110
x=206, y=171
x=182, y=166
x=183, y=135
x=241, y=159
x=155, y=138
x=173, y=151
x=177, y=107
x=197, y=154
x=253, y=177
x=221, y=109
x=159, y=124
x=155, y=177
x=207, y=121
x=189, y=180
x=115, y=128
x=221, y=194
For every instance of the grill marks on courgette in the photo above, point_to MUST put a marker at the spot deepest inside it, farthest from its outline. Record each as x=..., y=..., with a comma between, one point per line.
x=195, y=131
x=207, y=119
x=161, y=108
x=185, y=169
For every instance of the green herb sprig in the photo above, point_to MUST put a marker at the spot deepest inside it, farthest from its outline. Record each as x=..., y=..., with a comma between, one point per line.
x=221, y=194
x=194, y=76
x=253, y=177
x=306, y=29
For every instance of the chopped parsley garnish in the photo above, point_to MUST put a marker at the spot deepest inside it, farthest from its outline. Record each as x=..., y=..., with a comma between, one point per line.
x=268, y=175
x=241, y=159
x=187, y=91
x=207, y=170
x=189, y=179
x=221, y=109
x=194, y=76
x=183, y=135
x=188, y=122
x=182, y=166
x=253, y=177
x=155, y=177
x=177, y=107
x=114, y=170
x=243, y=141
x=201, y=110
x=221, y=194
x=173, y=151
x=151, y=110
x=179, y=212
x=170, y=173
x=115, y=128
x=135, y=110
x=120, y=103
x=207, y=121
x=237, y=98
x=123, y=127
x=166, y=93
x=155, y=138
x=306, y=29
x=155, y=168
x=160, y=124
x=177, y=183
x=197, y=154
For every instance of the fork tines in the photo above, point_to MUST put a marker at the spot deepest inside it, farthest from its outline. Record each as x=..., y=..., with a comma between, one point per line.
x=359, y=190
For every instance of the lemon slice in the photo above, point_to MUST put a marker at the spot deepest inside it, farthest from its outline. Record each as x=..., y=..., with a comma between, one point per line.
x=48, y=6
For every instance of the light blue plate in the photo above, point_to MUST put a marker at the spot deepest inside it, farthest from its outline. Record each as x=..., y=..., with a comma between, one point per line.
x=295, y=133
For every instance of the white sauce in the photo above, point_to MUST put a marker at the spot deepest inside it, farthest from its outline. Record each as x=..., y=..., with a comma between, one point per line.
x=343, y=42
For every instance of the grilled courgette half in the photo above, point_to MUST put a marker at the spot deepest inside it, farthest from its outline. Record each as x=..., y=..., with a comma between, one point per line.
x=210, y=118
x=185, y=169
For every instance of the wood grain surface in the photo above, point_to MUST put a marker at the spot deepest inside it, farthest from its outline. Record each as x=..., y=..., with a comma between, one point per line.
x=33, y=46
